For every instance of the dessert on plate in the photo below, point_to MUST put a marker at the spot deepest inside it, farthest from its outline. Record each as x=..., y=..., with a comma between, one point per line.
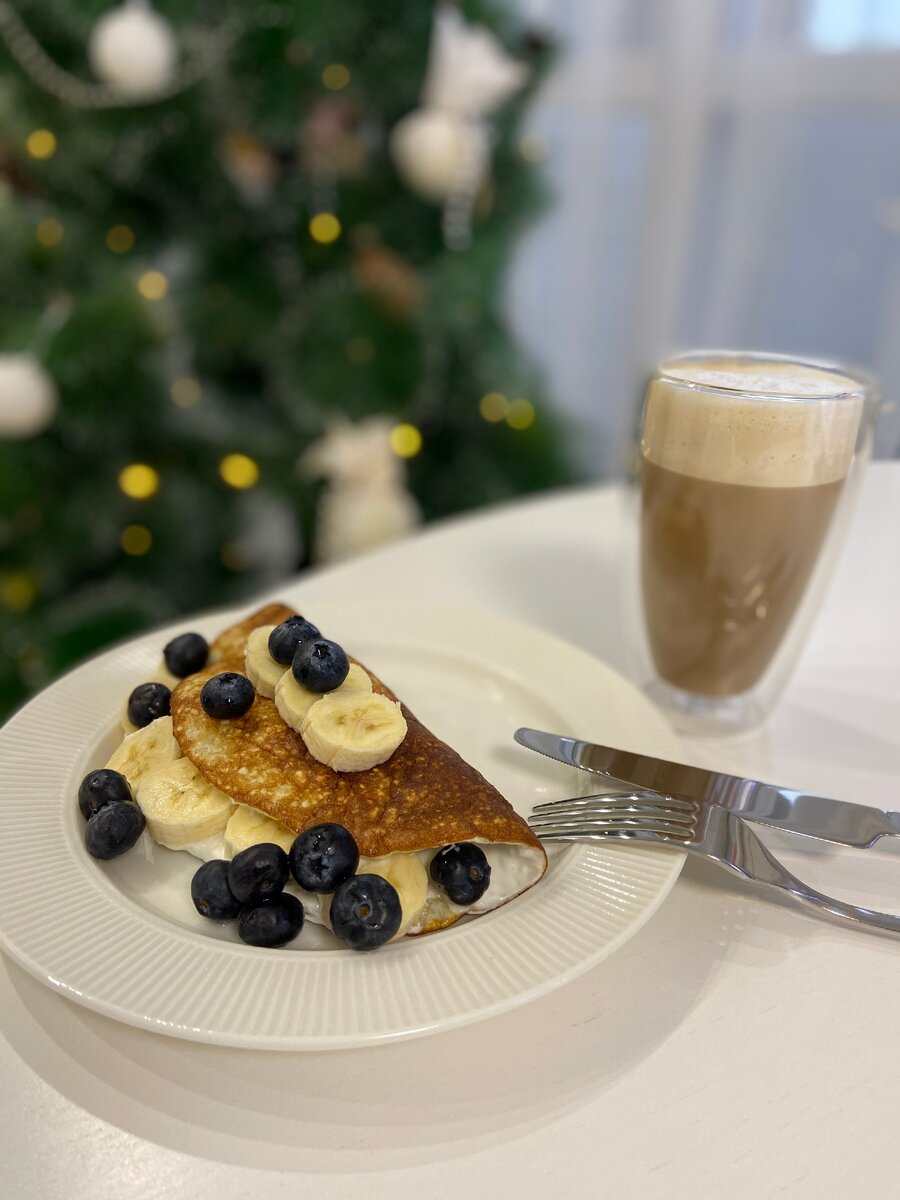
x=308, y=789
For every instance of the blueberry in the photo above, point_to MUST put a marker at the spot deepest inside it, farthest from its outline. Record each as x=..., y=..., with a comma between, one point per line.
x=147, y=702
x=186, y=654
x=102, y=787
x=113, y=830
x=365, y=912
x=271, y=922
x=323, y=857
x=211, y=894
x=463, y=871
x=320, y=665
x=286, y=637
x=227, y=696
x=258, y=872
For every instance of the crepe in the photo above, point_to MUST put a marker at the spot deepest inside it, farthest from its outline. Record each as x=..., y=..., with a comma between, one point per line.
x=425, y=796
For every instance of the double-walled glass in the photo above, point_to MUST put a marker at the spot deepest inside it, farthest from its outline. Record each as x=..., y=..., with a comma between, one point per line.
x=749, y=465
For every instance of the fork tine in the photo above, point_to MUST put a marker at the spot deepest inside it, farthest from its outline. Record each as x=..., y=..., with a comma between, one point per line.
x=590, y=825
x=584, y=812
x=635, y=814
x=597, y=832
x=656, y=799
x=550, y=828
x=601, y=808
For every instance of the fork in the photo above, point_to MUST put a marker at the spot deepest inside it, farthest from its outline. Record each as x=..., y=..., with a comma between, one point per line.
x=706, y=830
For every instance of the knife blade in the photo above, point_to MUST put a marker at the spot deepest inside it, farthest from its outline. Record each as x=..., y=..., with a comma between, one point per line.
x=828, y=820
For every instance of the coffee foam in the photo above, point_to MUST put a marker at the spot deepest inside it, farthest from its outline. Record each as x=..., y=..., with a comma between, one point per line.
x=805, y=437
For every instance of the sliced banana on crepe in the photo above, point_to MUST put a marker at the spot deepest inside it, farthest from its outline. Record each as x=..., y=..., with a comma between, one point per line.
x=353, y=732
x=260, y=667
x=145, y=750
x=246, y=827
x=294, y=701
x=407, y=874
x=181, y=806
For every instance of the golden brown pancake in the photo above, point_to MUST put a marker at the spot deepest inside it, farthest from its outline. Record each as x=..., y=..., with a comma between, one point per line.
x=425, y=795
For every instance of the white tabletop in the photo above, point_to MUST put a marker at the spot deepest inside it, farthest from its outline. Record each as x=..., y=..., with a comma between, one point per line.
x=734, y=1047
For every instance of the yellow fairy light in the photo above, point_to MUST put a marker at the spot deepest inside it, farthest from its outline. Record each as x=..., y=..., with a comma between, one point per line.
x=153, y=285
x=138, y=481
x=493, y=406
x=335, y=77
x=360, y=351
x=520, y=414
x=17, y=591
x=49, y=232
x=533, y=147
x=136, y=539
x=41, y=143
x=406, y=441
x=119, y=239
x=185, y=392
x=324, y=228
x=239, y=471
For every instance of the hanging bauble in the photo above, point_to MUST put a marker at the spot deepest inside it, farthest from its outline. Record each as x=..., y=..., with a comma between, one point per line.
x=434, y=149
x=133, y=49
x=28, y=397
x=442, y=149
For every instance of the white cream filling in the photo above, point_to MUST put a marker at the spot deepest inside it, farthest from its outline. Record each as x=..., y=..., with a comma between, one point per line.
x=214, y=847
x=513, y=869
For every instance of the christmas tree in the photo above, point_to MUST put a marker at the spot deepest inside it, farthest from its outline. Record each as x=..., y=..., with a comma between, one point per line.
x=226, y=227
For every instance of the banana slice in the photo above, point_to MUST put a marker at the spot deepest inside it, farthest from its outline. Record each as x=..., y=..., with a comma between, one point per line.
x=162, y=674
x=181, y=806
x=408, y=875
x=145, y=750
x=356, y=683
x=354, y=731
x=247, y=827
x=294, y=701
x=261, y=668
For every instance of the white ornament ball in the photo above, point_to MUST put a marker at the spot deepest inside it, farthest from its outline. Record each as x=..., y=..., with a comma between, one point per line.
x=436, y=151
x=133, y=49
x=27, y=396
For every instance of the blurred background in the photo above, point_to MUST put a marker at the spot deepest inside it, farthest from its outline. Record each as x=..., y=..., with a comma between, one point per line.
x=283, y=280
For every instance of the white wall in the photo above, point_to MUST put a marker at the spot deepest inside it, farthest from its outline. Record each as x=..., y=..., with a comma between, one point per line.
x=727, y=173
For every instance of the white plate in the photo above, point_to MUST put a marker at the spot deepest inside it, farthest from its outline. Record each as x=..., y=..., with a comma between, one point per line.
x=123, y=937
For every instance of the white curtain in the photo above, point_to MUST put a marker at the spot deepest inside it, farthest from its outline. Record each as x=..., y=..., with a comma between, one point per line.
x=726, y=174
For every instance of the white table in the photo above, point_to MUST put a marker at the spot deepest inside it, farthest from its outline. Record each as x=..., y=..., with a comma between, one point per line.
x=734, y=1047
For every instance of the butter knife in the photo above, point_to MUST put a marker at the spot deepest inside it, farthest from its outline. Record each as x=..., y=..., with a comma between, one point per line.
x=811, y=816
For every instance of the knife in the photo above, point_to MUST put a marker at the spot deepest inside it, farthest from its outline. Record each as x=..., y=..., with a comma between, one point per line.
x=811, y=816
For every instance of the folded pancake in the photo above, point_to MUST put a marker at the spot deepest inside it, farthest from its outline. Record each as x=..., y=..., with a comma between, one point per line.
x=423, y=797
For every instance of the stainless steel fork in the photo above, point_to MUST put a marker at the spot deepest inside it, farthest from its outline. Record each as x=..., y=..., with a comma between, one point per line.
x=706, y=830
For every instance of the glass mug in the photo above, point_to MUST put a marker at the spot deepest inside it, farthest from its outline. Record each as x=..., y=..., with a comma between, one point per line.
x=749, y=467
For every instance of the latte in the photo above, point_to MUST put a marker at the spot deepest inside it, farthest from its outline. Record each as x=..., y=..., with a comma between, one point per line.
x=738, y=492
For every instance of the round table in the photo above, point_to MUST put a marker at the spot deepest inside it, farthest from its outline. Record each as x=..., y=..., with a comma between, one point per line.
x=735, y=1046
